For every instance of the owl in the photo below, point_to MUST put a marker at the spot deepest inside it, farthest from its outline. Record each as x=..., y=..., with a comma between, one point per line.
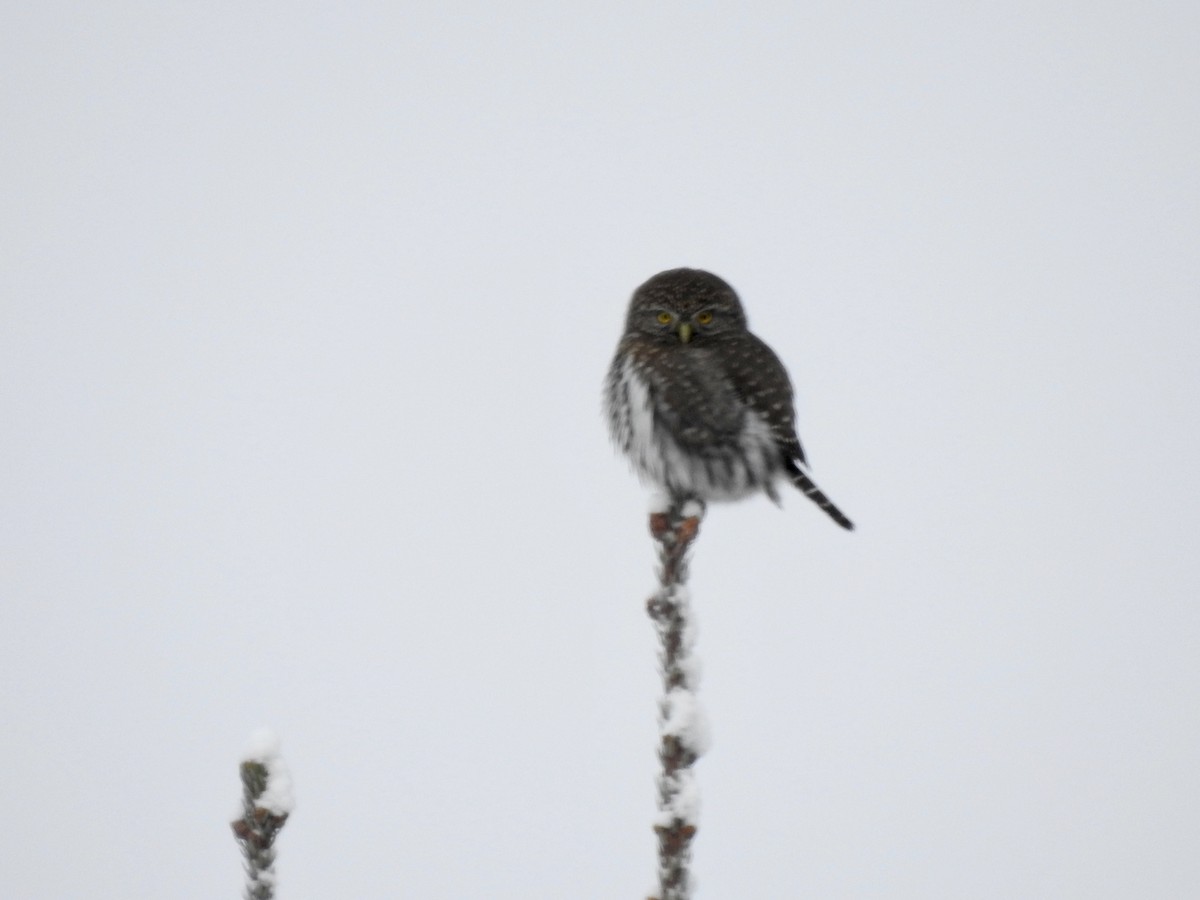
x=702, y=407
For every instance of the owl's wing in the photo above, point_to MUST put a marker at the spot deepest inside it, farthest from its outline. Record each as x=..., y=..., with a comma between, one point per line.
x=762, y=383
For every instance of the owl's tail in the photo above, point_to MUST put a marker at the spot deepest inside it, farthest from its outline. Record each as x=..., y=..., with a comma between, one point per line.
x=801, y=480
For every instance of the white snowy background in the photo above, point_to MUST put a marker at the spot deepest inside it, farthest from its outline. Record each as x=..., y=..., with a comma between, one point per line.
x=306, y=309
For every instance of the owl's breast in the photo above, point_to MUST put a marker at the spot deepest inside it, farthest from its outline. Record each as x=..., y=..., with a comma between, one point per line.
x=696, y=399
x=686, y=430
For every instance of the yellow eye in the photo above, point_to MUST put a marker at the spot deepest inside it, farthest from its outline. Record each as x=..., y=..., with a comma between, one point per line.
x=664, y=318
x=704, y=318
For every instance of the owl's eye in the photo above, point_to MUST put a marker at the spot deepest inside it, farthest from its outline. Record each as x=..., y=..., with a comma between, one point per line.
x=664, y=318
x=704, y=318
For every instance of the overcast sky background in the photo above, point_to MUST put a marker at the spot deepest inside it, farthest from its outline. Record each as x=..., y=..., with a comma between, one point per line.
x=306, y=310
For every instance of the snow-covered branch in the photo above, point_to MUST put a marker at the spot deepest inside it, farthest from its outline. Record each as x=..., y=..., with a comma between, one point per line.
x=683, y=732
x=266, y=804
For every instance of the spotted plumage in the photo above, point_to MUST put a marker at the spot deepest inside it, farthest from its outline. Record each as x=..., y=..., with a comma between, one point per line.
x=701, y=406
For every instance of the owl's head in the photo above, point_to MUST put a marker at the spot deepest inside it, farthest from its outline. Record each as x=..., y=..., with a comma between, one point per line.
x=682, y=305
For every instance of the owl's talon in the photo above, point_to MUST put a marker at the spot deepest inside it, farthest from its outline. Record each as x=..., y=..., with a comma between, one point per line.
x=660, y=525
x=688, y=529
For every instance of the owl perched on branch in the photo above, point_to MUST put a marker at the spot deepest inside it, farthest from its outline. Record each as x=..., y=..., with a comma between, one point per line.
x=701, y=406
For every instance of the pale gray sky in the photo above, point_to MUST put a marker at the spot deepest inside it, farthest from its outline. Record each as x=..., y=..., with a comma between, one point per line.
x=306, y=310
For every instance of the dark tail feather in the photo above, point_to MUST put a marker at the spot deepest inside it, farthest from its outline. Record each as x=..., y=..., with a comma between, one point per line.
x=816, y=495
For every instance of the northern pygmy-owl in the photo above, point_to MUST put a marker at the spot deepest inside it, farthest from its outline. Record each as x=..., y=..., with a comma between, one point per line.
x=701, y=406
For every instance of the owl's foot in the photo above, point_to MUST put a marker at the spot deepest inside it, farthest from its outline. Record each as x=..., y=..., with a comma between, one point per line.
x=660, y=525
x=687, y=530
x=677, y=525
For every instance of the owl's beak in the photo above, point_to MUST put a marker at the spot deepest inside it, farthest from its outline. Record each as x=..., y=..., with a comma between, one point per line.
x=685, y=331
